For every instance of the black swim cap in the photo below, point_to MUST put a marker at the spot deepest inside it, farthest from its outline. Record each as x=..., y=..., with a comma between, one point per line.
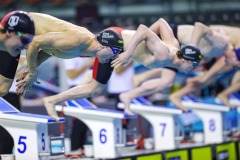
x=20, y=21
x=110, y=38
x=191, y=53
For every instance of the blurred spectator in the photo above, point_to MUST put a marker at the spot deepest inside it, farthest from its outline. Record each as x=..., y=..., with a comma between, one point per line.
x=76, y=71
x=120, y=81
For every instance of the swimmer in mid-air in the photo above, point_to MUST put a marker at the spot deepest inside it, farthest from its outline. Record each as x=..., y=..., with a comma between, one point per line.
x=153, y=53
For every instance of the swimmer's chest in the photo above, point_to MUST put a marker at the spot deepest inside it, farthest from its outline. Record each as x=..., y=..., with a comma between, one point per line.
x=67, y=53
x=160, y=64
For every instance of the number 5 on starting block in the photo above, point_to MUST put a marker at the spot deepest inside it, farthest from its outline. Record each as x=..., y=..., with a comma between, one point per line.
x=29, y=131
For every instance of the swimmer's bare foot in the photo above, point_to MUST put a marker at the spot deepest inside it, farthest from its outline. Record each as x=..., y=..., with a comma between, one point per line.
x=124, y=98
x=50, y=107
x=224, y=100
x=128, y=111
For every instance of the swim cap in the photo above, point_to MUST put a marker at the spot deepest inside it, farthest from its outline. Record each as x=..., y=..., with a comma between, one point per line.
x=20, y=21
x=191, y=53
x=110, y=38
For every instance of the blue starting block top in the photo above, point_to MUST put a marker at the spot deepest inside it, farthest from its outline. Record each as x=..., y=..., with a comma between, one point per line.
x=193, y=98
x=141, y=100
x=47, y=118
x=81, y=103
x=8, y=110
x=6, y=107
x=86, y=104
x=145, y=102
x=235, y=96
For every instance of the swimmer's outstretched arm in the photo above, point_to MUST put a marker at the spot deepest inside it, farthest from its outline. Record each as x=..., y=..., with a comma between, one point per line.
x=42, y=56
x=218, y=39
x=162, y=27
x=200, y=30
x=32, y=55
x=51, y=40
x=213, y=71
x=143, y=33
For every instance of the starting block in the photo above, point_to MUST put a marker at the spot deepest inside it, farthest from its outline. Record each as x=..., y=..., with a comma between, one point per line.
x=235, y=99
x=105, y=125
x=211, y=116
x=162, y=120
x=29, y=131
x=231, y=122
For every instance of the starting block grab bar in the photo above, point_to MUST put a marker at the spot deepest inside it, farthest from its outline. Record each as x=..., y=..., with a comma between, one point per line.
x=105, y=125
x=29, y=131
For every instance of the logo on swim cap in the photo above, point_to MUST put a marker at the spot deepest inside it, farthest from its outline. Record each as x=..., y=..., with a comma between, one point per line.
x=120, y=41
x=13, y=21
x=190, y=52
x=20, y=21
x=104, y=41
x=107, y=35
x=110, y=38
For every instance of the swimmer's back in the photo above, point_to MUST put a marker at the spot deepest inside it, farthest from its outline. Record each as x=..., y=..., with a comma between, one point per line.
x=184, y=33
x=45, y=23
x=232, y=32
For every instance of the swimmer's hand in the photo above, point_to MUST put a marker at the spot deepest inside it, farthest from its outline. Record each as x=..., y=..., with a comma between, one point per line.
x=121, y=59
x=24, y=87
x=21, y=77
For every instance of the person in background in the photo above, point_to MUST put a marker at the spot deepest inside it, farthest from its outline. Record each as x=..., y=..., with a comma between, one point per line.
x=119, y=82
x=77, y=69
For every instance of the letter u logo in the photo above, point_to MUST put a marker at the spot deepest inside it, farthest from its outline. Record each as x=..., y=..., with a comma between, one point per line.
x=13, y=21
